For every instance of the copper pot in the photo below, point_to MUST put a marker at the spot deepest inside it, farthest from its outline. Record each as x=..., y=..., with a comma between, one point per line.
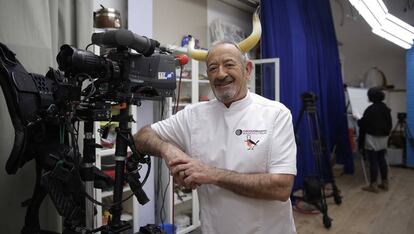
x=107, y=18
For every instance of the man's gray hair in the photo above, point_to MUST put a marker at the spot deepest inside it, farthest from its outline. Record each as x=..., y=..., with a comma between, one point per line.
x=244, y=57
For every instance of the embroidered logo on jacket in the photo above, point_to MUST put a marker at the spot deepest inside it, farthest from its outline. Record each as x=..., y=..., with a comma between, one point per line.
x=252, y=138
x=250, y=143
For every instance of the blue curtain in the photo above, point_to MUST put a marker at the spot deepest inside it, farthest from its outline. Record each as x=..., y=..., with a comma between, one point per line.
x=302, y=35
x=410, y=107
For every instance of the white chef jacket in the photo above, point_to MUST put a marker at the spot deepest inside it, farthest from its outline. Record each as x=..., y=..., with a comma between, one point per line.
x=253, y=135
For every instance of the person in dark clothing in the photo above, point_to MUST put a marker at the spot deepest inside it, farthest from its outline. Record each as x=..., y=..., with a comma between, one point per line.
x=376, y=124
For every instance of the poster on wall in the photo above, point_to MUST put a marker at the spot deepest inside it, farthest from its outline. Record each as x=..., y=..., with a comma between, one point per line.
x=358, y=100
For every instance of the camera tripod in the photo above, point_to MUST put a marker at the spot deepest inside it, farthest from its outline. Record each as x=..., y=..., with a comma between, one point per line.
x=126, y=170
x=399, y=134
x=314, y=187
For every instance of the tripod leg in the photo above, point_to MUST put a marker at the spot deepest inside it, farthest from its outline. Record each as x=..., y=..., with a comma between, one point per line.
x=327, y=221
x=335, y=191
x=89, y=152
x=117, y=225
x=388, y=165
x=337, y=196
x=364, y=170
x=314, y=130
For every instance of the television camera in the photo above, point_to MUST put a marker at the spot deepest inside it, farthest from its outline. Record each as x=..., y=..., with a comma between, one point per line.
x=46, y=112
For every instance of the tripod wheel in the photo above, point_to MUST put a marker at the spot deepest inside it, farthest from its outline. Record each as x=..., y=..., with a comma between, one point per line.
x=327, y=222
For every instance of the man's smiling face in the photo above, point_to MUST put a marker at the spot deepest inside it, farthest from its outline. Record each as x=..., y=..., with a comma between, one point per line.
x=227, y=73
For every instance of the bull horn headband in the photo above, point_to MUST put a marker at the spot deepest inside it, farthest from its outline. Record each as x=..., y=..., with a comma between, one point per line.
x=245, y=45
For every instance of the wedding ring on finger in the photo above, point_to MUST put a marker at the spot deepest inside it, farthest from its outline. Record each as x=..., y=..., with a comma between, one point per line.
x=182, y=173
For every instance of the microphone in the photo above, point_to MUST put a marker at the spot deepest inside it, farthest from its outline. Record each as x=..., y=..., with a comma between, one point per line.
x=123, y=37
x=181, y=59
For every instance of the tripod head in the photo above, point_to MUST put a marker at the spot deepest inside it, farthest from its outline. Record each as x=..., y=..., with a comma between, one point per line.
x=308, y=106
x=308, y=102
x=308, y=99
x=401, y=116
x=399, y=133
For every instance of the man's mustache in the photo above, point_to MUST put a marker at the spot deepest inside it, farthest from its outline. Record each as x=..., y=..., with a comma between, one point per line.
x=225, y=80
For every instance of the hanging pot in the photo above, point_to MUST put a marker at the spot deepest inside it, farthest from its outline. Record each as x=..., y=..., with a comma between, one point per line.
x=107, y=18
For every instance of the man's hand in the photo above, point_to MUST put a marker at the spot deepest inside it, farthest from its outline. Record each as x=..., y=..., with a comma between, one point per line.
x=192, y=172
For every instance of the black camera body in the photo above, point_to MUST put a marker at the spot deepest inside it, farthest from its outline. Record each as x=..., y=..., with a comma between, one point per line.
x=143, y=77
x=119, y=76
x=44, y=110
x=123, y=76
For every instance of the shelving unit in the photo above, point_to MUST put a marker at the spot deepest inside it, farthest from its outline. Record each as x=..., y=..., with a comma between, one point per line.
x=187, y=206
x=127, y=209
x=192, y=87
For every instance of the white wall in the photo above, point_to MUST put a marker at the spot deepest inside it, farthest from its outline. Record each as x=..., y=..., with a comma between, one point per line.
x=140, y=17
x=396, y=100
x=14, y=188
x=228, y=13
x=140, y=22
x=174, y=19
x=361, y=49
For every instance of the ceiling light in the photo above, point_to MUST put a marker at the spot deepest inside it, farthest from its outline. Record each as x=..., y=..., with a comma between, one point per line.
x=368, y=14
x=392, y=38
x=396, y=29
x=383, y=23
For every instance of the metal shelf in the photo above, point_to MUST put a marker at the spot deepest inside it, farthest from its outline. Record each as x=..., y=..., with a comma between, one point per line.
x=185, y=198
x=188, y=229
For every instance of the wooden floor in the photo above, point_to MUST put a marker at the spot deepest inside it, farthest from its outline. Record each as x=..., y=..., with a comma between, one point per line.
x=364, y=212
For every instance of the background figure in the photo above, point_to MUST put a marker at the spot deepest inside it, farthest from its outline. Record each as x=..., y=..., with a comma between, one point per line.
x=375, y=126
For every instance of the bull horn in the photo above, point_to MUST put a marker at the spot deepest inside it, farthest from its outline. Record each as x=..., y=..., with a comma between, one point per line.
x=200, y=55
x=248, y=43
